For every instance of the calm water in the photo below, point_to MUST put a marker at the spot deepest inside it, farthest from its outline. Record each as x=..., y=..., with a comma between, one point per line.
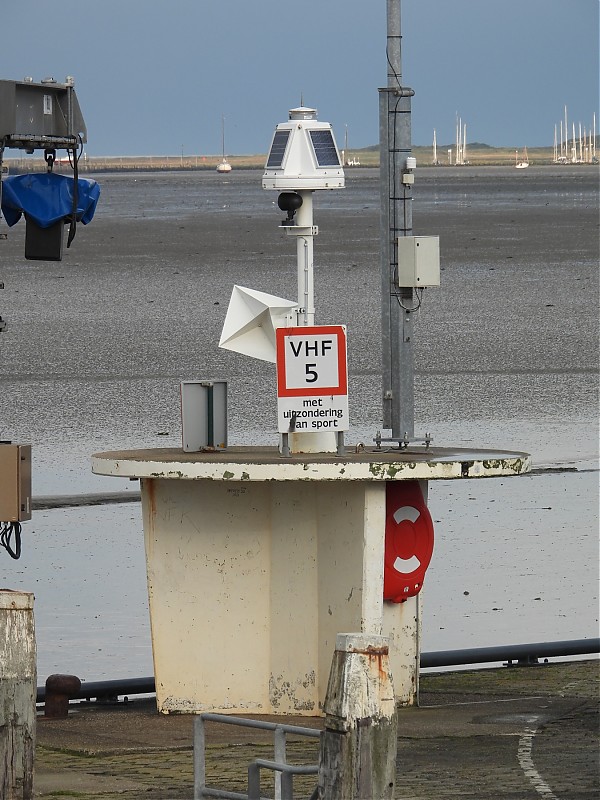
x=507, y=356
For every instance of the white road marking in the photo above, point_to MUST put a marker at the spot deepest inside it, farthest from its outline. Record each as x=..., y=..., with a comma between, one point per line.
x=528, y=767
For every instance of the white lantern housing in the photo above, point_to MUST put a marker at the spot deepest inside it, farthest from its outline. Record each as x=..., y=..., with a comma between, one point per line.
x=303, y=155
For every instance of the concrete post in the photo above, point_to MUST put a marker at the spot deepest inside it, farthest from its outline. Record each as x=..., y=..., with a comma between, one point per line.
x=358, y=746
x=17, y=695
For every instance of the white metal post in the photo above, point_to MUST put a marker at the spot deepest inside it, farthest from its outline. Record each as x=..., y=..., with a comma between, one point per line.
x=304, y=249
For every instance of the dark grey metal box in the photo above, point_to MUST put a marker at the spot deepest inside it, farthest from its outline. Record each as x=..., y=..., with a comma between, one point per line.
x=39, y=113
x=43, y=244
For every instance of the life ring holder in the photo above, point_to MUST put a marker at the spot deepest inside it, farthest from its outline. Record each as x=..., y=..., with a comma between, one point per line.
x=408, y=540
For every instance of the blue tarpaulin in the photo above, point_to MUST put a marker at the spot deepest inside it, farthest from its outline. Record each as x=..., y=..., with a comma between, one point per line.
x=47, y=198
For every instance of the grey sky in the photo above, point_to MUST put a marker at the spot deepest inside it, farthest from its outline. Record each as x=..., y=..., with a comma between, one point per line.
x=154, y=77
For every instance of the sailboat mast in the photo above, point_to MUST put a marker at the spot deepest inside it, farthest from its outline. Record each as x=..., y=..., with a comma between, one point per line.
x=561, y=140
x=457, y=155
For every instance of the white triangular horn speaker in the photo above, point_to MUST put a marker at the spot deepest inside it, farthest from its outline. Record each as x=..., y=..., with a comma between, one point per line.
x=251, y=320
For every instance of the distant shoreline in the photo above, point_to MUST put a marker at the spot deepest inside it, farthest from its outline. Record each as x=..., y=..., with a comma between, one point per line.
x=477, y=156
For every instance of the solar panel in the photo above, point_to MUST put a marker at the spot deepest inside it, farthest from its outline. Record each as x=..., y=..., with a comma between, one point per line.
x=324, y=148
x=277, y=152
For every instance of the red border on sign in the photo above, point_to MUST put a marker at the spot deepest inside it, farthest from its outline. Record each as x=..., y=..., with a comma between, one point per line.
x=315, y=330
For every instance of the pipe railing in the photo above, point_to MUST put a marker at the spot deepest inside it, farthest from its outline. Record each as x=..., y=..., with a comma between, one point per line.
x=523, y=654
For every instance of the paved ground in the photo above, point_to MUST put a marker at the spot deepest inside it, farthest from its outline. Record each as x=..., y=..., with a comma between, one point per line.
x=503, y=734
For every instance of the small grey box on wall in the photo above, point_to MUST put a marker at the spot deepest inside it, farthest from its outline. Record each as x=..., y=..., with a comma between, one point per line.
x=418, y=261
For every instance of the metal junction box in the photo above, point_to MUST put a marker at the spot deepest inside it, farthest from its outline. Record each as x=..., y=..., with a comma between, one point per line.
x=40, y=114
x=418, y=261
x=43, y=244
x=15, y=482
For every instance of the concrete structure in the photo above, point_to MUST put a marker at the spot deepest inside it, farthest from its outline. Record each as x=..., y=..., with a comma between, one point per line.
x=256, y=562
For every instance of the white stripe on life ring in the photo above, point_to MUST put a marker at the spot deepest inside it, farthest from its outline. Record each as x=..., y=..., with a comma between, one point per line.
x=406, y=565
x=406, y=512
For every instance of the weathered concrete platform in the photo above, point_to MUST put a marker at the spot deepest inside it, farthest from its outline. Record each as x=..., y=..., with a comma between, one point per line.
x=365, y=464
x=504, y=734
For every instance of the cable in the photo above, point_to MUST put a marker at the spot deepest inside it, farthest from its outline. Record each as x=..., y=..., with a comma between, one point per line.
x=75, y=166
x=76, y=154
x=7, y=531
x=387, y=55
x=419, y=296
x=2, y=145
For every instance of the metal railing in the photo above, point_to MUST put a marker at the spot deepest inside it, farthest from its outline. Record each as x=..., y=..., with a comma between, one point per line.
x=284, y=772
x=523, y=654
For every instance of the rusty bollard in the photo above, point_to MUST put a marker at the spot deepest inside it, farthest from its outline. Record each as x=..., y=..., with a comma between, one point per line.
x=59, y=690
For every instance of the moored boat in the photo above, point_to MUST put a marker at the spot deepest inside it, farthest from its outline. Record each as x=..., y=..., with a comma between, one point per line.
x=223, y=166
x=524, y=162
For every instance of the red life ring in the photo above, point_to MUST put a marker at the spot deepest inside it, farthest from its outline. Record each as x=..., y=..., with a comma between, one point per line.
x=408, y=540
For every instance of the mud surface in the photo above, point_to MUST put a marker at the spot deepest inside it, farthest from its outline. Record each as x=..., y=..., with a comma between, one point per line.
x=507, y=358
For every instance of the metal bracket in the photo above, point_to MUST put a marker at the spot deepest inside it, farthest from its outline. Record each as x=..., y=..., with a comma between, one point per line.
x=297, y=230
x=403, y=442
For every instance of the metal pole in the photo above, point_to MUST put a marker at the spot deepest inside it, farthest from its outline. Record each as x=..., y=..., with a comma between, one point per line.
x=199, y=757
x=304, y=249
x=397, y=303
x=318, y=441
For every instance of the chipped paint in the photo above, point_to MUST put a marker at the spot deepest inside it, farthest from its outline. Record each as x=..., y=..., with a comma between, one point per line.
x=188, y=527
x=503, y=464
x=185, y=705
x=253, y=464
x=287, y=696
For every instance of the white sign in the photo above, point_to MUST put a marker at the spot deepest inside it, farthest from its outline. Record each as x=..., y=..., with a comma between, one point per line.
x=312, y=379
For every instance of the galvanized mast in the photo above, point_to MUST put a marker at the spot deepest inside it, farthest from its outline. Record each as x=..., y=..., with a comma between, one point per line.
x=397, y=304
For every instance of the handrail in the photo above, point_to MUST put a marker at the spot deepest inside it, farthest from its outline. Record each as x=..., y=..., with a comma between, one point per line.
x=522, y=653
x=284, y=772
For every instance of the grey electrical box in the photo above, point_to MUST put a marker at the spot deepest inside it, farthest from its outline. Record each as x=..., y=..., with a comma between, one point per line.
x=15, y=482
x=45, y=114
x=418, y=261
x=204, y=415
